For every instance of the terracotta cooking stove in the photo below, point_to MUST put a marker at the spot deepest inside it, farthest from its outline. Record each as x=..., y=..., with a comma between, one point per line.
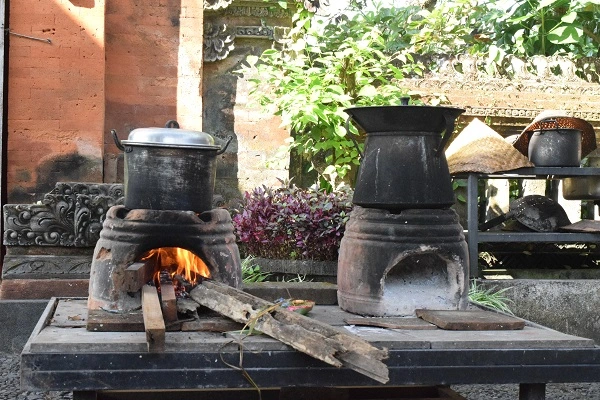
x=128, y=235
x=403, y=248
x=167, y=212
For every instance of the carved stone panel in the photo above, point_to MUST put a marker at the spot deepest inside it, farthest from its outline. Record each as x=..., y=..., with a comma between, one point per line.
x=70, y=215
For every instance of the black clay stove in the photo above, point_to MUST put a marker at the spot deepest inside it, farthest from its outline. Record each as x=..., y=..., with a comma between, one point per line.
x=403, y=248
x=127, y=234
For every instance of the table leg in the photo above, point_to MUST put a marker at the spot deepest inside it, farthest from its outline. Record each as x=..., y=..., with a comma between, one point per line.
x=532, y=391
x=472, y=226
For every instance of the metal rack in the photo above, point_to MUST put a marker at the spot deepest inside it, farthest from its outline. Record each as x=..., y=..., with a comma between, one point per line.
x=474, y=236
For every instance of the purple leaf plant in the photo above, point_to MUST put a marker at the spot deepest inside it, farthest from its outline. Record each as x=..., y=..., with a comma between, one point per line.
x=292, y=223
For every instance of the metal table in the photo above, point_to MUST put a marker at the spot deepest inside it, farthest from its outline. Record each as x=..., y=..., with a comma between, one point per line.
x=116, y=365
x=474, y=237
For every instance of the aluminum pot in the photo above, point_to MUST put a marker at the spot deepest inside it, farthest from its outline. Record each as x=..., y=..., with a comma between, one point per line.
x=581, y=188
x=169, y=168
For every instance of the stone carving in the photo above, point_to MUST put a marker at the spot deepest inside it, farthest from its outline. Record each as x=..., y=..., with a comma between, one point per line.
x=220, y=29
x=70, y=215
x=254, y=32
x=263, y=11
x=218, y=42
x=216, y=4
x=537, y=68
x=48, y=266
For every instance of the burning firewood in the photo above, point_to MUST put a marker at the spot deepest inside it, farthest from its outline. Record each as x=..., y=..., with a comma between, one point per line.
x=304, y=334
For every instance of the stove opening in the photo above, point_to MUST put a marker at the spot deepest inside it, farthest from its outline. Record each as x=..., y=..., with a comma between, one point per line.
x=422, y=279
x=176, y=266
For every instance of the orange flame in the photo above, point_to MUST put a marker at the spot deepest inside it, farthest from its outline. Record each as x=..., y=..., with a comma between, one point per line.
x=177, y=261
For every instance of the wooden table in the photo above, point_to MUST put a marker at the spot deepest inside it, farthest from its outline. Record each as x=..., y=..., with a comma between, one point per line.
x=61, y=355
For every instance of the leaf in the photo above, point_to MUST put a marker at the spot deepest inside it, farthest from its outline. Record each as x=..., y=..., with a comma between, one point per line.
x=546, y=3
x=565, y=34
x=368, y=91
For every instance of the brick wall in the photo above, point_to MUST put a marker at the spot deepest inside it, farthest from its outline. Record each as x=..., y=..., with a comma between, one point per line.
x=55, y=95
x=153, y=52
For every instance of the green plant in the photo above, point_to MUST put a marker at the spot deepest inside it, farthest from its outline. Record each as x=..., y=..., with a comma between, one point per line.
x=251, y=272
x=324, y=67
x=490, y=297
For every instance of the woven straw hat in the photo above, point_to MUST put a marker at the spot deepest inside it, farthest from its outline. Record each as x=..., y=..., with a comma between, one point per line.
x=478, y=148
x=563, y=121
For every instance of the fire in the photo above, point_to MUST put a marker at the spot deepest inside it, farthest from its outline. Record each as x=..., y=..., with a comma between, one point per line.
x=177, y=261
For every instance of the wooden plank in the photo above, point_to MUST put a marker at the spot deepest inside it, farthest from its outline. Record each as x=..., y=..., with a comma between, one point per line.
x=168, y=301
x=137, y=275
x=154, y=324
x=471, y=320
x=392, y=323
x=526, y=338
x=103, y=321
x=314, y=338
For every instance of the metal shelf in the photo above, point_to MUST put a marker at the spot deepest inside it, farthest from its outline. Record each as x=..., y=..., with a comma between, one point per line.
x=537, y=173
x=474, y=236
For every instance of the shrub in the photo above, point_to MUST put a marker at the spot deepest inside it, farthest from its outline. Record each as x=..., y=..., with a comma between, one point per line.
x=292, y=223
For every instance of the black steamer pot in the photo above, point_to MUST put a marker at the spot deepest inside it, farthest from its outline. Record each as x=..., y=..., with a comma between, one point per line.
x=169, y=168
x=403, y=164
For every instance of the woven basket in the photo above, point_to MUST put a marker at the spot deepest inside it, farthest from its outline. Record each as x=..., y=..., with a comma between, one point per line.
x=546, y=121
x=478, y=148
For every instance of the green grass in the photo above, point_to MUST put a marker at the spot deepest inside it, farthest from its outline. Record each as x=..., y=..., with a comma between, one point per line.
x=491, y=297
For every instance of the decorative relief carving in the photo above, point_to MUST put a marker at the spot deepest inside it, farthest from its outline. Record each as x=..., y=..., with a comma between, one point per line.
x=218, y=42
x=260, y=11
x=216, y=4
x=70, y=215
x=554, y=68
x=54, y=266
x=265, y=32
x=219, y=39
x=220, y=30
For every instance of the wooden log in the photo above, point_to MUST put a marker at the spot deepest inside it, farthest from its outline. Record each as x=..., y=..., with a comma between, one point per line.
x=137, y=275
x=304, y=334
x=154, y=324
x=168, y=301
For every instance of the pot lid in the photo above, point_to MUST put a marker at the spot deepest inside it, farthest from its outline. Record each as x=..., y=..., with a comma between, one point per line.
x=171, y=137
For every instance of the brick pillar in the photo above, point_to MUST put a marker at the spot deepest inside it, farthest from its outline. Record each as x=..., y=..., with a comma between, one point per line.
x=189, y=67
x=153, y=66
x=55, y=96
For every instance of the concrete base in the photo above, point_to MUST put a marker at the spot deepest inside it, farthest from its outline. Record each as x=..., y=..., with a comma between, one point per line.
x=17, y=320
x=569, y=306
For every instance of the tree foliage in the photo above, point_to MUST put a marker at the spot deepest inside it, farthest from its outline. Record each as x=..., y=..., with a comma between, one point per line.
x=360, y=56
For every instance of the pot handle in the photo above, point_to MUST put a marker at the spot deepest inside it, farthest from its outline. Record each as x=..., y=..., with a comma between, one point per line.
x=548, y=121
x=353, y=137
x=450, y=120
x=172, y=124
x=222, y=150
x=113, y=132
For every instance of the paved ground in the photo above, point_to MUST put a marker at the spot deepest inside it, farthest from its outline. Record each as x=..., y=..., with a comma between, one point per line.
x=10, y=390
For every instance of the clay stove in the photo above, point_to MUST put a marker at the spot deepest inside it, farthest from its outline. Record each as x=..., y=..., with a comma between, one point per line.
x=391, y=264
x=403, y=248
x=128, y=234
